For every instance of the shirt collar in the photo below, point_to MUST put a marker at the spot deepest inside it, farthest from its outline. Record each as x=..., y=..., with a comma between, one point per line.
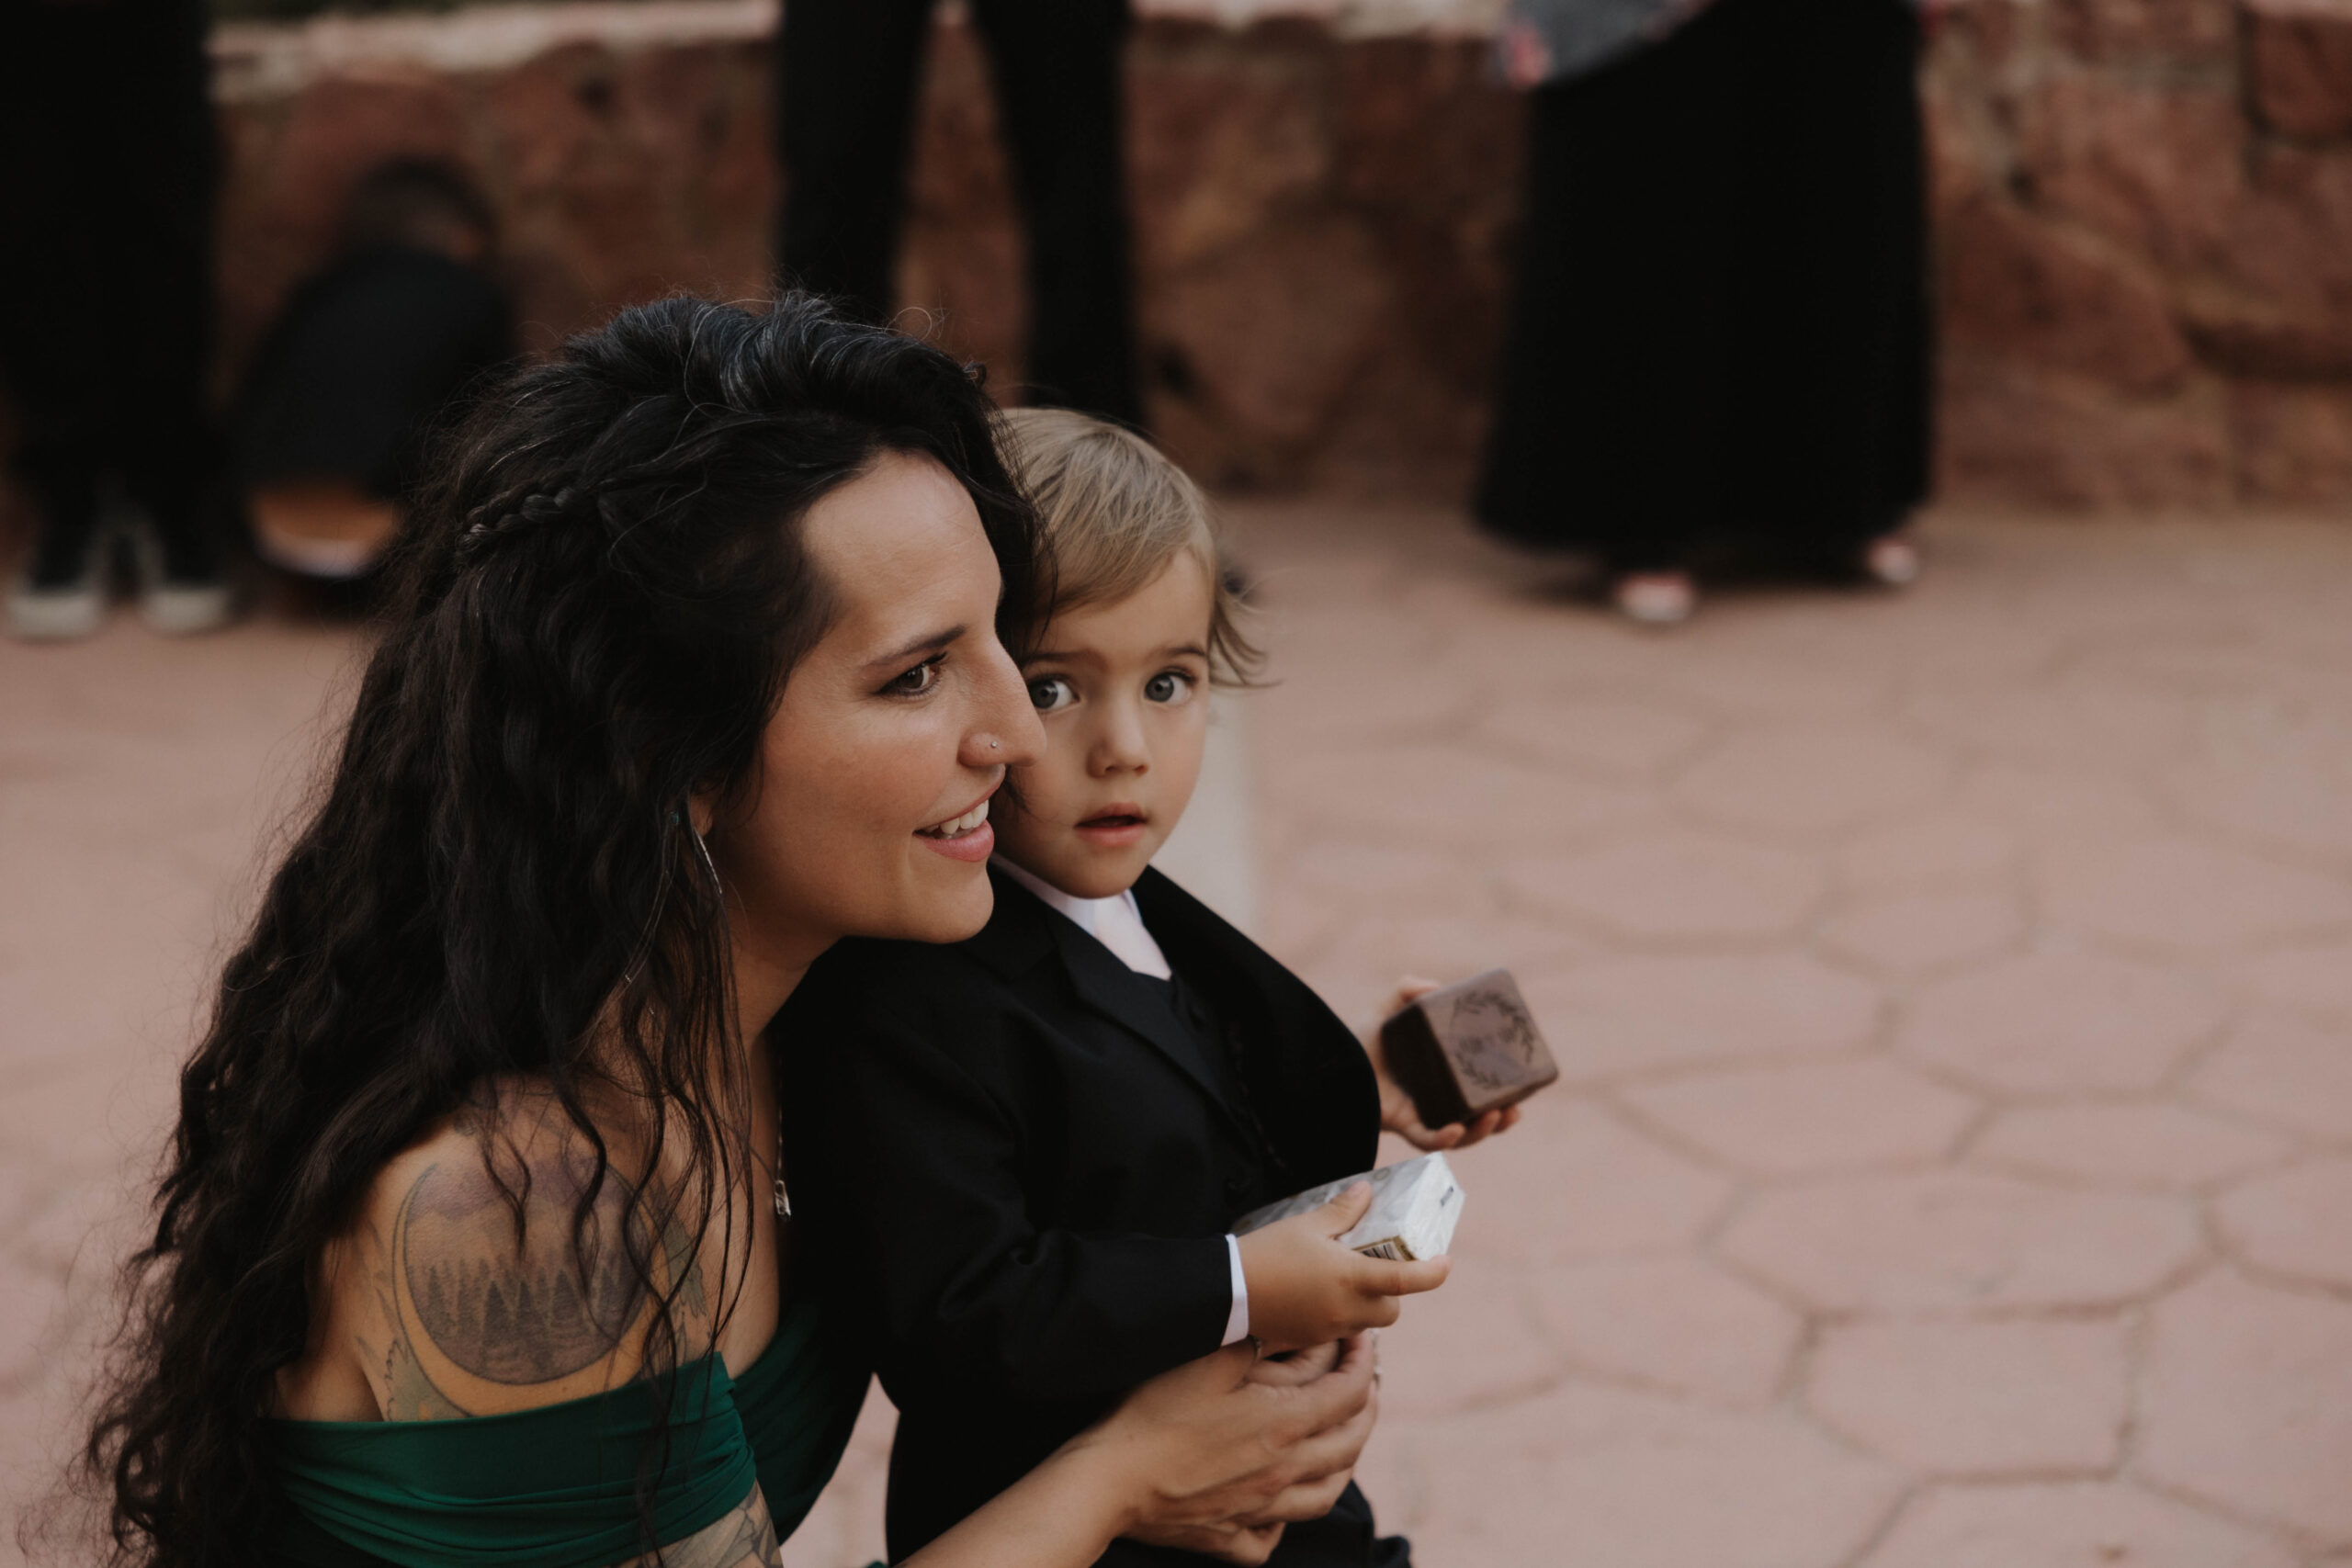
x=1085, y=913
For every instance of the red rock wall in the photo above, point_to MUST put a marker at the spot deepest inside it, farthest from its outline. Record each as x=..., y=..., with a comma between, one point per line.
x=1322, y=228
x=2143, y=211
x=617, y=176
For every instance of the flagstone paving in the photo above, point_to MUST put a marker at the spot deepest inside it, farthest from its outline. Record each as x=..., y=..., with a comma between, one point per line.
x=1953, y=1161
x=1953, y=992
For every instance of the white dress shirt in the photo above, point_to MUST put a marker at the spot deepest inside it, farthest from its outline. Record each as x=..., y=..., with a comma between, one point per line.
x=1117, y=924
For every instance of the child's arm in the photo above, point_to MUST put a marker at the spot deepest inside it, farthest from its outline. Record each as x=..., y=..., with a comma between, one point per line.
x=1398, y=1114
x=925, y=1168
x=1306, y=1288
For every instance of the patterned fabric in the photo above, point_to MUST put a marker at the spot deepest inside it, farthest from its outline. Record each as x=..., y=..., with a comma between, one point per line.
x=1551, y=41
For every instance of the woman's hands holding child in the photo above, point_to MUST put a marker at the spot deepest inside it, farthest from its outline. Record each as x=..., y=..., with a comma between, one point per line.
x=1398, y=1114
x=1229, y=1449
x=1307, y=1289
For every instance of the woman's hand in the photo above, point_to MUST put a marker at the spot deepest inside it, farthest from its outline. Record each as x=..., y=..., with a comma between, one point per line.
x=1292, y=1368
x=1398, y=1114
x=1250, y=1537
x=1222, y=1453
x=1312, y=1496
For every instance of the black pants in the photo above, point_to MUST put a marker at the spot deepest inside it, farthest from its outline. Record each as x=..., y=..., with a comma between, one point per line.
x=107, y=168
x=848, y=83
x=1720, y=322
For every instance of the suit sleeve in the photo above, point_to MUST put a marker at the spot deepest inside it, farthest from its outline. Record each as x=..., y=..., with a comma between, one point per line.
x=970, y=1296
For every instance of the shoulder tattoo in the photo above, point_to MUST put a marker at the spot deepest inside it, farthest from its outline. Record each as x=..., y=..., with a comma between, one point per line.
x=509, y=1298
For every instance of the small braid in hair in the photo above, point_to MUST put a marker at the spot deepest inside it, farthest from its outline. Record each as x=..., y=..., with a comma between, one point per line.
x=536, y=508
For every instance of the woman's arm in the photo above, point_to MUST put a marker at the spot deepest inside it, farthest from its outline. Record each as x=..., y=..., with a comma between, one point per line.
x=1205, y=1453
x=744, y=1537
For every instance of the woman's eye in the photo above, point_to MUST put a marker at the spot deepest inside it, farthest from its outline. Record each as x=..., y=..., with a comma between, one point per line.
x=1050, y=691
x=918, y=681
x=1168, y=686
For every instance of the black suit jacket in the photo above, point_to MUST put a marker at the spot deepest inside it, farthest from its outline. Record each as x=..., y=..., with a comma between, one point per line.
x=1020, y=1167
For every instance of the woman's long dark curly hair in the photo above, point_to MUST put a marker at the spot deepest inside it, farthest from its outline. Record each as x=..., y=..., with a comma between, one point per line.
x=596, y=609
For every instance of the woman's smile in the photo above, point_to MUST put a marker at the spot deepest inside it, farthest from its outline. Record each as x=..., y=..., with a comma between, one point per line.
x=966, y=837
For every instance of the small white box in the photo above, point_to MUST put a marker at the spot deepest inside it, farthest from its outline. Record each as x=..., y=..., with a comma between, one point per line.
x=1415, y=1203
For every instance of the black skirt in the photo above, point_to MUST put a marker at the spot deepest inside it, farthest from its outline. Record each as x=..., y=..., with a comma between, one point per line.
x=1721, y=324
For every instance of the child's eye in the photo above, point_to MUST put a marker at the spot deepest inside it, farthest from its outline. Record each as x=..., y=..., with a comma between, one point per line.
x=1050, y=691
x=917, y=682
x=1170, y=686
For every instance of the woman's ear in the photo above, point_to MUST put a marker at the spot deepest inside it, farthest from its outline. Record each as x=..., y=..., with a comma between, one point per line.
x=702, y=809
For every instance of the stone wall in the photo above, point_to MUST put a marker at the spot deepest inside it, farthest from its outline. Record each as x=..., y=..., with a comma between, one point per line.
x=1322, y=226
x=2144, y=230
x=2144, y=212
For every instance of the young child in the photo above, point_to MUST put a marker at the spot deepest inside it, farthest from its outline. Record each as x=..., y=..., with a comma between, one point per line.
x=1021, y=1154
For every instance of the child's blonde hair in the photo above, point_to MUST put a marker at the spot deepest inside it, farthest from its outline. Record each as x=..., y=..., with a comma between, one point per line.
x=1115, y=512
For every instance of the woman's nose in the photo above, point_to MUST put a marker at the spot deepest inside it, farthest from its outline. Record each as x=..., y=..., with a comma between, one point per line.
x=1005, y=727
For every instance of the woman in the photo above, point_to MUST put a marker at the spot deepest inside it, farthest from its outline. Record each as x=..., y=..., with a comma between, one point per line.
x=474, y=1242
x=1721, y=326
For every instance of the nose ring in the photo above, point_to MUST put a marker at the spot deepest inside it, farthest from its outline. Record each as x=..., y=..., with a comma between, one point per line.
x=993, y=745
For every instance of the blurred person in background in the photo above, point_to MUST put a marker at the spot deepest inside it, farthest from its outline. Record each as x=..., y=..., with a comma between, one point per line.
x=351, y=381
x=110, y=163
x=848, y=89
x=1721, y=329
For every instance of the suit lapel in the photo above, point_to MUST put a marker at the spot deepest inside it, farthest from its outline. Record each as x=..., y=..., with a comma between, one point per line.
x=1316, y=1097
x=1019, y=935
x=1024, y=932
x=1240, y=980
x=1109, y=988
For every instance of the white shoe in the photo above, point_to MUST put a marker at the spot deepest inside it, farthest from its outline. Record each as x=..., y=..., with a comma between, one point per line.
x=1654, y=598
x=327, y=528
x=60, y=593
x=56, y=615
x=179, y=599
x=182, y=609
x=1891, y=562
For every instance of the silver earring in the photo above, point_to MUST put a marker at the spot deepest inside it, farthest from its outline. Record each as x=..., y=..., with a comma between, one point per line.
x=708, y=864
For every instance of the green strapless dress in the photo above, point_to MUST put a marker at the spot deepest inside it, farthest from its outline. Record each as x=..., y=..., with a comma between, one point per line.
x=557, y=1487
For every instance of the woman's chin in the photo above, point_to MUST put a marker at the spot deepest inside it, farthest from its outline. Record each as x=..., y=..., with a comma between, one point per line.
x=955, y=914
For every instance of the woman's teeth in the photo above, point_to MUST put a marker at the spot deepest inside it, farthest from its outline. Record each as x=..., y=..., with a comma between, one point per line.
x=957, y=827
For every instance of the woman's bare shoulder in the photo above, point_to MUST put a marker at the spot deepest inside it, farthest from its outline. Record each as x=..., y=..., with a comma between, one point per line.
x=490, y=1268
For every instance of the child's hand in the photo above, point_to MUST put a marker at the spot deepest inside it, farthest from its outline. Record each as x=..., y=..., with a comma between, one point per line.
x=1398, y=1114
x=1306, y=1288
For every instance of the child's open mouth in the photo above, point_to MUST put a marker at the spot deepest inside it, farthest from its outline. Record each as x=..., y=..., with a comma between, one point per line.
x=1113, y=829
x=966, y=837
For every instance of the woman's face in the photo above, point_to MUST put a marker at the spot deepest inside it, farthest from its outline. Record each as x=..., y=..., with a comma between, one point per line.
x=869, y=814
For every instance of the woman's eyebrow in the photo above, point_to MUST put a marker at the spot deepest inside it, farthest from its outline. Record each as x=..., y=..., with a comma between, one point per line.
x=930, y=642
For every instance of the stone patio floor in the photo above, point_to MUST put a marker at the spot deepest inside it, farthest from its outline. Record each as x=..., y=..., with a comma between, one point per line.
x=1952, y=1167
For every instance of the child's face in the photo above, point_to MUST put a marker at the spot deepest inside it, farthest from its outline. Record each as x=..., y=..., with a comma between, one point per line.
x=1122, y=690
